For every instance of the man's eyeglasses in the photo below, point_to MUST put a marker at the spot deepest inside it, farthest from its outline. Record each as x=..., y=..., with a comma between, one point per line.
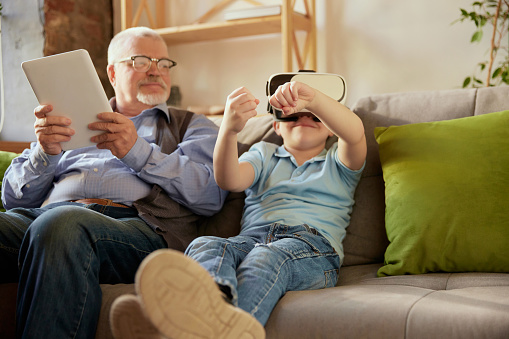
x=142, y=63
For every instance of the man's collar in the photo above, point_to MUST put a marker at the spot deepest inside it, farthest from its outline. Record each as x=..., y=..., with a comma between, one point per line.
x=163, y=107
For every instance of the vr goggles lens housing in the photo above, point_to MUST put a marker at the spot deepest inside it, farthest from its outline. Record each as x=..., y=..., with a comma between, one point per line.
x=294, y=117
x=332, y=85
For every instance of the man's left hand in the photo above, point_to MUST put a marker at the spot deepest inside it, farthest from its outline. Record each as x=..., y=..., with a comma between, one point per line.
x=119, y=133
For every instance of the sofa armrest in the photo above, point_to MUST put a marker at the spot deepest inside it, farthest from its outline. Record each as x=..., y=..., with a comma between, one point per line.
x=14, y=146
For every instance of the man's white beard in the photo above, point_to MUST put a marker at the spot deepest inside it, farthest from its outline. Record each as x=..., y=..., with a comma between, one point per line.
x=152, y=99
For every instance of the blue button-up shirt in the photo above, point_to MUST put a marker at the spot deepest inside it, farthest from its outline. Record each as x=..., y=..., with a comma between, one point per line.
x=35, y=178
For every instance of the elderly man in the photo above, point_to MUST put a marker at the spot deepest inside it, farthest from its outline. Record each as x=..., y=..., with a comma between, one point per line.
x=83, y=217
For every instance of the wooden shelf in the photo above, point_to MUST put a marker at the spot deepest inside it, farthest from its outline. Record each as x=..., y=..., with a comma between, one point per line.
x=287, y=24
x=230, y=29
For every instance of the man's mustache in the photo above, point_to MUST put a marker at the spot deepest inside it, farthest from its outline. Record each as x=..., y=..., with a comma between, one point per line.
x=152, y=79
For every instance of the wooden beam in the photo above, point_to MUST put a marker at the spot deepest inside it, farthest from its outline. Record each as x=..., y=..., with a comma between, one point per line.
x=126, y=14
x=286, y=35
x=160, y=13
x=312, y=34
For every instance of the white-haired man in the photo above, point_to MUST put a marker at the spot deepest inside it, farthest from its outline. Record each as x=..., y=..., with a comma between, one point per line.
x=80, y=218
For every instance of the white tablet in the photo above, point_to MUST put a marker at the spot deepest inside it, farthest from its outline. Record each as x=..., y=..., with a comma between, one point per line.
x=69, y=82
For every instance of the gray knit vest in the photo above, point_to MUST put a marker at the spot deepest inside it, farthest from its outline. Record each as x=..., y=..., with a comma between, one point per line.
x=176, y=223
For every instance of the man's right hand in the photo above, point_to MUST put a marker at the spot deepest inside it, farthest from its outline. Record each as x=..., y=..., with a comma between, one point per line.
x=51, y=130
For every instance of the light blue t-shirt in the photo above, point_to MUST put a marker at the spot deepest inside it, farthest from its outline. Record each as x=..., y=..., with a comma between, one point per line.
x=318, y=193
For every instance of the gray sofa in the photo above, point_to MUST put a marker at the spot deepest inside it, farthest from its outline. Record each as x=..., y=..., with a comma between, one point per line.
x=363, y=305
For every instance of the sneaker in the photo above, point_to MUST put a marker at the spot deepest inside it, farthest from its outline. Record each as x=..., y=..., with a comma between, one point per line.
x=127, y=320
x=183, y=301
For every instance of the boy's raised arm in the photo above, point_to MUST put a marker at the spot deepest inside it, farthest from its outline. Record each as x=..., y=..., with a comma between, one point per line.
x=229, y=174
x=346, y=125
x=293, y=97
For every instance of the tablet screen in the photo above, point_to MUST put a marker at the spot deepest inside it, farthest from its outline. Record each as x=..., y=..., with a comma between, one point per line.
x=69, y=82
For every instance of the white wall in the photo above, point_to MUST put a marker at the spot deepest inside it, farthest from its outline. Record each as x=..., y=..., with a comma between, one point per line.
x=379, y=46
x=22, y=39
x=400, y=45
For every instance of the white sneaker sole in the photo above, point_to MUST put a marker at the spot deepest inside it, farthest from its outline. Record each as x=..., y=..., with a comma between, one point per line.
x=127, y=320
x=182, y=300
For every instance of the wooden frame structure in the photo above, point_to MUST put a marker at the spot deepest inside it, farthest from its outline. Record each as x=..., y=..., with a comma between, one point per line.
x=287, y=23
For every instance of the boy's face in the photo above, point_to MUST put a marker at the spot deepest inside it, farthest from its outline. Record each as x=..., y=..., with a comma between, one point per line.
x=303, y=134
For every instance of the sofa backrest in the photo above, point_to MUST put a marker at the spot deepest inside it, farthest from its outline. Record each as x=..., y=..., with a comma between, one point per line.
x=366, y=240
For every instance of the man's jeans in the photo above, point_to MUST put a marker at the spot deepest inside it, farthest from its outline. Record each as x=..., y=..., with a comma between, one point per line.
x=260, y=266
x=65, y=251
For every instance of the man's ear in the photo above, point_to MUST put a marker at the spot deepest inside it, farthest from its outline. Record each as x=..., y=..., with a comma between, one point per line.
x=110, y=69
x=275, y=124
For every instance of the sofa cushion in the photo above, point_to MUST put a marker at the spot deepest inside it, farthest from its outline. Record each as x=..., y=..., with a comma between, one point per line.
x=446, y=195
x=391, y=311
x=366, y=238
x=5, y=161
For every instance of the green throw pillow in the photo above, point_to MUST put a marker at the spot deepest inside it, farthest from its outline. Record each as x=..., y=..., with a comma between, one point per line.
x=446, y=195
x=5, y=161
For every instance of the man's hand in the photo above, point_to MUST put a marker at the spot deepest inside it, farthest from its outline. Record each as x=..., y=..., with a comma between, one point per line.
x=292, y=97
x=240, y=107
x=119, y=133
x=51, y=130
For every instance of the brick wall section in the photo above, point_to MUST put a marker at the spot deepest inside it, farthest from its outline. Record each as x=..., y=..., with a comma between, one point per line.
x=75, y=24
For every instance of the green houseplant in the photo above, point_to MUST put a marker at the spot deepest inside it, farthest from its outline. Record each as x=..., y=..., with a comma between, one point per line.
x=492, y=16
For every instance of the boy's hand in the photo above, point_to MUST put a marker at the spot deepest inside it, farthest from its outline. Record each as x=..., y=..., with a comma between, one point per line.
x=292, y=97
x=240, y=107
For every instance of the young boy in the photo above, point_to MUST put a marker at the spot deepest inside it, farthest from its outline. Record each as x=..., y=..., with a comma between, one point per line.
x=298, y=202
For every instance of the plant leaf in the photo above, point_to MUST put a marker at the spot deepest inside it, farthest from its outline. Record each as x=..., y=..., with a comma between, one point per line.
x=496, y=73
x=477, y=36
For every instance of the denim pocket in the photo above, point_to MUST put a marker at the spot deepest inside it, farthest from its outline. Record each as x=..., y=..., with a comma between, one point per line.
x=305, y=236
x=316, y=243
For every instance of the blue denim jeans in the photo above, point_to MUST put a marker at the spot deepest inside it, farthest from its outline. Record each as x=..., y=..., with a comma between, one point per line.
x=261, y=265
x=64, y=251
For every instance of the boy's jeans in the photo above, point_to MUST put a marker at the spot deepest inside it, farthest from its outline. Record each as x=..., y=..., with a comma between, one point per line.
x=65, y=251
x=260, y=266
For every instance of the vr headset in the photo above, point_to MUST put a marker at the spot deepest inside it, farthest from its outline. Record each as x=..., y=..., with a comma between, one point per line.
x=332, y=85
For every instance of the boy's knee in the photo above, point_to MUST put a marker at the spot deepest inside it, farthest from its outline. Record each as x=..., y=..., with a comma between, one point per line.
x=203, y=240
x=203, y=244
